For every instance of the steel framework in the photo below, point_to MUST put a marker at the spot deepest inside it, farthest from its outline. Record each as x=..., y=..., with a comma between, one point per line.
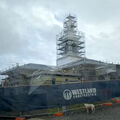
x=70, y=41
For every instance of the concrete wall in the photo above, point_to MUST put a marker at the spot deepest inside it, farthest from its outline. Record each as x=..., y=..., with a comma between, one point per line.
x=65, y=60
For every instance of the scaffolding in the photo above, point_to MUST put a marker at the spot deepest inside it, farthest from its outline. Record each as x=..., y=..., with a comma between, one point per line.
x=70, y=41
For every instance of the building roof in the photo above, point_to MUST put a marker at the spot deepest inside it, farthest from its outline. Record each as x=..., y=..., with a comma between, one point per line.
x=30, y=66
x=84, y=61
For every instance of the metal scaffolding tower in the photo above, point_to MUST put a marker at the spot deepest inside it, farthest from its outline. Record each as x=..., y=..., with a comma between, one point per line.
x=70, y=41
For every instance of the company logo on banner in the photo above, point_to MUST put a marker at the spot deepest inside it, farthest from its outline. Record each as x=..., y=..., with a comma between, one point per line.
x=78, y=93
x=67, y=94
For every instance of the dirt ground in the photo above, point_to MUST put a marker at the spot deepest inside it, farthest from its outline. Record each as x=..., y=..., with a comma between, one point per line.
x=109, y=113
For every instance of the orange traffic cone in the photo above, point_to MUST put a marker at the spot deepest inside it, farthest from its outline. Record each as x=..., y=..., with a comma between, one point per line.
x=20, y=118
x=59, y=114
x=108, y=104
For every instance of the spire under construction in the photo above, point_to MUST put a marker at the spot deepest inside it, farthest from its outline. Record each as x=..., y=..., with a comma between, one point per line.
x=70, y=42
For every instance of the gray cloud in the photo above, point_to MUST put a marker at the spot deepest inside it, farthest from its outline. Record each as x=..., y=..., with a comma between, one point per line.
x=28, y=29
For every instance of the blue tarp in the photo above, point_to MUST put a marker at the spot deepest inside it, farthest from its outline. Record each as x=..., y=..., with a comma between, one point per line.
x=27, y=98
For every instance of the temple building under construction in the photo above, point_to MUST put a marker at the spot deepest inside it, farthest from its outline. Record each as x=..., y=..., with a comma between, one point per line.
x=72, y=63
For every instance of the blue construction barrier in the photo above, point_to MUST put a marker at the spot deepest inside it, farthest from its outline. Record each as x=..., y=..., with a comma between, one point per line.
x=27, y=98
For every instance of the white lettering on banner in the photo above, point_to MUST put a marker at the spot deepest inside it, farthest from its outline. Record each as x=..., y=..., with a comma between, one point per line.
x=78, y=93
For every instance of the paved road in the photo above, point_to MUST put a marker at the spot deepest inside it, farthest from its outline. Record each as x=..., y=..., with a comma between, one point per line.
x=109, y=113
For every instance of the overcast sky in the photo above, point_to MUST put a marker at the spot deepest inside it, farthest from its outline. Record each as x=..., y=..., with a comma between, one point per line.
x=28, y=29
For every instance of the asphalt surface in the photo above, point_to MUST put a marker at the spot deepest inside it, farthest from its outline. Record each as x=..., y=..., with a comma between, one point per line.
x=106, y=113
